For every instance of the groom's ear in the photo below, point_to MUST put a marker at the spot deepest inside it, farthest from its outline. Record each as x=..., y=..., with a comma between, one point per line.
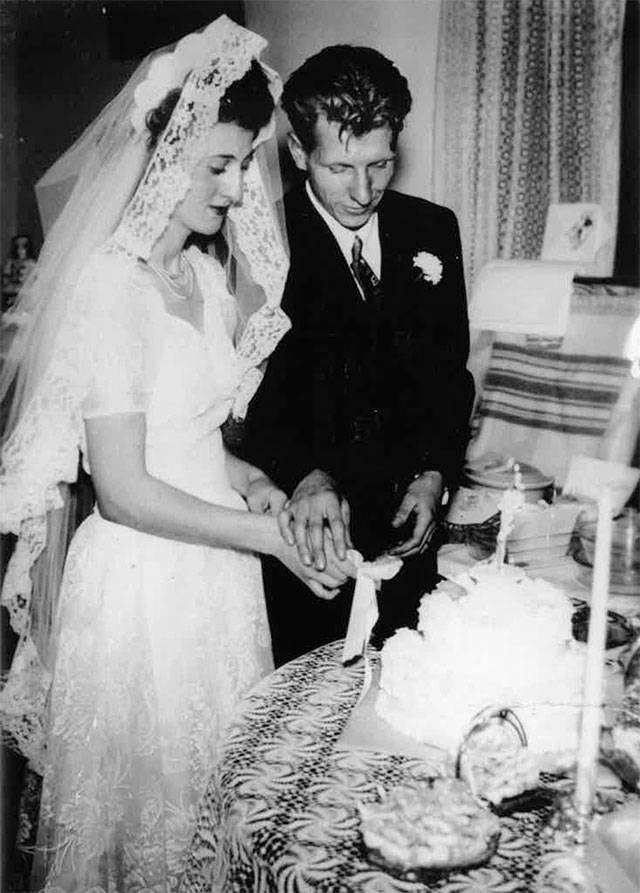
x=297, y=152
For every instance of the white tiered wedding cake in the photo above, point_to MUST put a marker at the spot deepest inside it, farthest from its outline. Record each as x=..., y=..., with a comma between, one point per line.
x=491, y=638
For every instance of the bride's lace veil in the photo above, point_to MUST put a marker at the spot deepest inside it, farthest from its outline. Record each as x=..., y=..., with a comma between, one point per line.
x=108, y=189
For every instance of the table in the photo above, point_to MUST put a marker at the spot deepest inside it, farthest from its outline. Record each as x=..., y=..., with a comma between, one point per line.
x=279, y=814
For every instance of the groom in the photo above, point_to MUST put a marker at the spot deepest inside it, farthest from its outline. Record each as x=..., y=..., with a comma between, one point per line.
x=363, y=412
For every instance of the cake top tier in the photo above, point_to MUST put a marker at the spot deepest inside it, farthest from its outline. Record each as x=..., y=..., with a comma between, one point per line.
x=496, y=604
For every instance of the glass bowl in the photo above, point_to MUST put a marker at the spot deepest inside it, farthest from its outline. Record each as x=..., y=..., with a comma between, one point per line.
x=625, y=548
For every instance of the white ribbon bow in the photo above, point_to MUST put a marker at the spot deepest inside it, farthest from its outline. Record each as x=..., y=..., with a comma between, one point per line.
x=364, y=607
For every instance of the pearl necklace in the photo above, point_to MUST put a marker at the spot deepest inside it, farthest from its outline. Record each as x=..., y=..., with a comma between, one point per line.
x=179, y=284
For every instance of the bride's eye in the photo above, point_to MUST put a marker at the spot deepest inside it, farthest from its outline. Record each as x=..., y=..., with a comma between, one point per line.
x=217, y=171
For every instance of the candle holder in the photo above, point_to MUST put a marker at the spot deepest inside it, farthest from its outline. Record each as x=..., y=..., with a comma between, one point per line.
x=568, y=827
x=592, y=697
x=566, y=873
x=565, y=869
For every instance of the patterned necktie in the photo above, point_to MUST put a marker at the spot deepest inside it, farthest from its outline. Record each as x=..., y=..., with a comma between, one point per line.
x=365, y=277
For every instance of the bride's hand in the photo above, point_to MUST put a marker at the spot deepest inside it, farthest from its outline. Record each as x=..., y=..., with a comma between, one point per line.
x=263, y=496
x=325, y=584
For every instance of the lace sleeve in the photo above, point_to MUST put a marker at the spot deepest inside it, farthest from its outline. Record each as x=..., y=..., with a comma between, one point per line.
x=118, y=341
x=101, y=362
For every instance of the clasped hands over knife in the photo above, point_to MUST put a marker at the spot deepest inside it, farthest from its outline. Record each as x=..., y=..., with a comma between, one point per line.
x=316, y=521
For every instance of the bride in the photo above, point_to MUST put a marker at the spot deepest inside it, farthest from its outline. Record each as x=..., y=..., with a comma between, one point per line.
x=132, y=355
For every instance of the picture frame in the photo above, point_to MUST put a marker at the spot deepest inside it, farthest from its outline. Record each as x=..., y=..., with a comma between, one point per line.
x=575, y=231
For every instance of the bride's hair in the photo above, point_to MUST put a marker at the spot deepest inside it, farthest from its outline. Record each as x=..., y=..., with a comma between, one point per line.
x=158, y=118
x=247, y=102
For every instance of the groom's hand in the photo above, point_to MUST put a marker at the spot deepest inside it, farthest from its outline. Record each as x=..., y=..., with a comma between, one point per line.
x=326, y=583
x=316, y=502
x=422, y=500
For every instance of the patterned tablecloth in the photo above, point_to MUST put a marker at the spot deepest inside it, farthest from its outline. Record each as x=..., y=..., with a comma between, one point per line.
x=280, y=813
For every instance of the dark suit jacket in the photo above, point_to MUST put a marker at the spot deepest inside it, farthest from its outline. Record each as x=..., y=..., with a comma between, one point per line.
x=371, y=395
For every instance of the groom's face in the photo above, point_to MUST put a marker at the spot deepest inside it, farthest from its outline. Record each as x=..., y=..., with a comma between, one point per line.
x=348, y=174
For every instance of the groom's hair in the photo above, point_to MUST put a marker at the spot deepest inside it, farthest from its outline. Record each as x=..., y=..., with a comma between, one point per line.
x=357, y=87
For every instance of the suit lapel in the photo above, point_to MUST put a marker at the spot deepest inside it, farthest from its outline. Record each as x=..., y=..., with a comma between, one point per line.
x=396, y=263
x=404, y=289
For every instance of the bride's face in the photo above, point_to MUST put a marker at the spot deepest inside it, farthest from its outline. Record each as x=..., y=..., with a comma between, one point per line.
x=216, y=182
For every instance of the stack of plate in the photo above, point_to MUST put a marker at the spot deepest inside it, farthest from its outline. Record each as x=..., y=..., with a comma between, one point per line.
x=542, y=533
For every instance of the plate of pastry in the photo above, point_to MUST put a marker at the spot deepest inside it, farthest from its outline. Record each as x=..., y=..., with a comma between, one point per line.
x=422, y=831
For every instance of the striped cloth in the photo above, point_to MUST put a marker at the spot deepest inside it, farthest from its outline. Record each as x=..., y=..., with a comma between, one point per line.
x=546, y=405
x=572, y=393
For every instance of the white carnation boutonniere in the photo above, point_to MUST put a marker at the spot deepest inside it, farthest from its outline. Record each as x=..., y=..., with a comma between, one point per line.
x=429, y=265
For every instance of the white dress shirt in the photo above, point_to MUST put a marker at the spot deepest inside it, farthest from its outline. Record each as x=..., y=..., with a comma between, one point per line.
x=369, y=234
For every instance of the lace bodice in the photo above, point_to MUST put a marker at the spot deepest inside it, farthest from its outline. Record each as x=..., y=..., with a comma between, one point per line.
x=183, y=379
x=127, y=319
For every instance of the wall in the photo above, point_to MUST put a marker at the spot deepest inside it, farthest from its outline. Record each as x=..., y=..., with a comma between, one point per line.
x=404, y=30
x=61, y=63
x=63, y=75
x=8, y=127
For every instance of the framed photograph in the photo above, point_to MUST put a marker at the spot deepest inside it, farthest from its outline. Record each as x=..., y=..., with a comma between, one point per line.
x=574, y=232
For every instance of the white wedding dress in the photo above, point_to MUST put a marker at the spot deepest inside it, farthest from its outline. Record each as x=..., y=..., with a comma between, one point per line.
x=158, y=639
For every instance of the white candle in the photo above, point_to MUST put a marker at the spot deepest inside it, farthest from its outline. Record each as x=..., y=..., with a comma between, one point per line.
x=594, y=671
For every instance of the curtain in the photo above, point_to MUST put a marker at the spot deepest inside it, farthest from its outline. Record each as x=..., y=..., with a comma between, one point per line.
x=527, y=114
